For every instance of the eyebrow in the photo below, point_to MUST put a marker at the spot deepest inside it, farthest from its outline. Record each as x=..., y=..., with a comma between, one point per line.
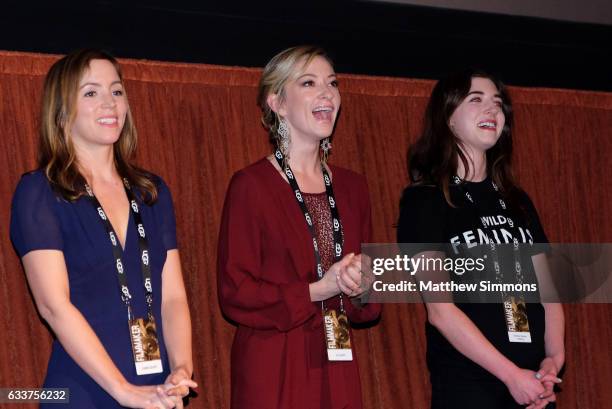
x=312, y=75
x=482, y=93
x=95, y=84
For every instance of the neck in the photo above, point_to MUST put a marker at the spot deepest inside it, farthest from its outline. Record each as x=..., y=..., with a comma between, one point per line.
x=305, y=158
x=477, y=171
x=97, y=165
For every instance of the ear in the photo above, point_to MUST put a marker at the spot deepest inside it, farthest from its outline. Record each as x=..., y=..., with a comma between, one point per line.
x=276, y=104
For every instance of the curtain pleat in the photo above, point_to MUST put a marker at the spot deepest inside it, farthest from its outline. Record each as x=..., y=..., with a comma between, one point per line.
x=198, y=124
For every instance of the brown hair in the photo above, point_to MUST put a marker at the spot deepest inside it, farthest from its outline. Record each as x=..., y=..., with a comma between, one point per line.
x=56, y=155
x=283, y=67
x=433, y=158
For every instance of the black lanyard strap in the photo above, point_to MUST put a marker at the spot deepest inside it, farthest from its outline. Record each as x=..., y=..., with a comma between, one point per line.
x=143, y=244
x=499, y=274
x=336, y=224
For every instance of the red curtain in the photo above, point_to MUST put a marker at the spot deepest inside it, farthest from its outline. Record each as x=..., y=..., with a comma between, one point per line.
x=199, y=123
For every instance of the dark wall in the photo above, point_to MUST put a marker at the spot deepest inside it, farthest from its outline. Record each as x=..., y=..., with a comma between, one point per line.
x=363, y=37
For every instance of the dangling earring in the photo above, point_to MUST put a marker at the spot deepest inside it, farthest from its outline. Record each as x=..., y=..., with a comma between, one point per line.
x=325, y=148
x=284, y=138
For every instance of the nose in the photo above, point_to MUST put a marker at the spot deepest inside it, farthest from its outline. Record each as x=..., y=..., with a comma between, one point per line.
x=326, y=92
x=492, y=108
x=108, y=100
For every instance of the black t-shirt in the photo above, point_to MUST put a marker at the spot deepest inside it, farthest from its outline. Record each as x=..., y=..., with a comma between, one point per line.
x=426, y=217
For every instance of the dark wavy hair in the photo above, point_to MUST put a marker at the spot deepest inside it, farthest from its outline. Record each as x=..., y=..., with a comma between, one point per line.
x=433, y=158
x=56, y=154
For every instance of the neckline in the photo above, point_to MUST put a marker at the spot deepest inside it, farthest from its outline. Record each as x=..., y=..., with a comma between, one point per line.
x=314, y=194
x=286, y=182
x=486, y=180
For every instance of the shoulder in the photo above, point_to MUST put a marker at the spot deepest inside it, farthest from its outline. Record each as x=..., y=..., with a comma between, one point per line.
x=161, y=187
x=249, y=182
x=523, y=198
x=347, y=177
x=33, y=186
x=423, y=195
x=521, y=201
x=33, y=179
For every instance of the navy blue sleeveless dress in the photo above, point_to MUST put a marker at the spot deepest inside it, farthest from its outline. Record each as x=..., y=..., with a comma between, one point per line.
x=41, y=219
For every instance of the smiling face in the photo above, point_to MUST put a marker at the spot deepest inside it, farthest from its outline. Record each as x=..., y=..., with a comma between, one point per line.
x=101, y=107
x=310, y=102
x=478, y=121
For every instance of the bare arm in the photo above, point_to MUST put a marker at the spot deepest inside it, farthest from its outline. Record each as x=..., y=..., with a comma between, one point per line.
x=554, y=331
x=177, y=325
x=555, y=319
x=48, y=279
x=464, y=336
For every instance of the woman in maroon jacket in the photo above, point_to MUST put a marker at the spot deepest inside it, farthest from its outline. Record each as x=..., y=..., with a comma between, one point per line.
x=289, y=269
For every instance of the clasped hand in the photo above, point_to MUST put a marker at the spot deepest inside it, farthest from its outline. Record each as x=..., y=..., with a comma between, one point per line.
x=351, y=275
x=535, y=389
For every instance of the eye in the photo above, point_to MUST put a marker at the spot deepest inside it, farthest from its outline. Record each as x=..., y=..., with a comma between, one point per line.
x=118, y=93
x=308, y=83
x=499, y=103
x=90, y=93
x=334, y=83
x=475, y=99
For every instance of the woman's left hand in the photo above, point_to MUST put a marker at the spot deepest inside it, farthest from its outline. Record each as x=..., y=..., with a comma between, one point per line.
x=548, y=369
x=349, y=277
x=177, y=385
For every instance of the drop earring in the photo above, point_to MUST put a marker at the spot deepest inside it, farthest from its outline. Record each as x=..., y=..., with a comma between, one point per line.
x=325, y=148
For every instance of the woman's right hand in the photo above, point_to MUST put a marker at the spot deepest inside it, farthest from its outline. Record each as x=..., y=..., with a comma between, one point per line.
x=343, y=276
x=147, y=397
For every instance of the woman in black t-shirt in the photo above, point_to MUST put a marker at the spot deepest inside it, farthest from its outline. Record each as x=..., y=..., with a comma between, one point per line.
x=463, y=194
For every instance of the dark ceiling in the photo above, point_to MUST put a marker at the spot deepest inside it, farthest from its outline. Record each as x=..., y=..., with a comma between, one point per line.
x=363, y=37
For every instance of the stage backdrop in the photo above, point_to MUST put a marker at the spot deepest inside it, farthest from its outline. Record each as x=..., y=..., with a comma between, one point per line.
x=198, y=124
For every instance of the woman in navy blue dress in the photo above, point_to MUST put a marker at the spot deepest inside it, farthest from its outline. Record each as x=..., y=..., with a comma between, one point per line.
x=98, y=244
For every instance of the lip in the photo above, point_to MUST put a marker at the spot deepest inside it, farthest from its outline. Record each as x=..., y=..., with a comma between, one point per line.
x=324, y=113
x=329, y=107
x=109, y=121
x=492, y=121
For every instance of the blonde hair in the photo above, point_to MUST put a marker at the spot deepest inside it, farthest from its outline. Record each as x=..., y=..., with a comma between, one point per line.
x=56, y=155
x=282, y=68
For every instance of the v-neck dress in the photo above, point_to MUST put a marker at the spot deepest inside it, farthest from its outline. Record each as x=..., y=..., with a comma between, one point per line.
x=41, y=219
x=265, y=265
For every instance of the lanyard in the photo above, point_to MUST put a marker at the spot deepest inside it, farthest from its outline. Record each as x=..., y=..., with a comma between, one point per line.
x=143, y=244
x=337, y=226
x=499, y=274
